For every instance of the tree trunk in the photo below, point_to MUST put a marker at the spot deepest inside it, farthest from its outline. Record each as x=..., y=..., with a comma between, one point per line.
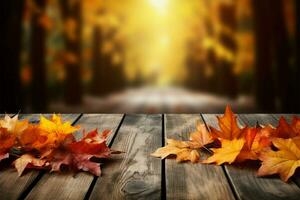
x=99, y=82
x=71, y=12
x=227, y=80
x=118, y=75
x=196, y=79
x=37, y=59
x=281, y=55
x=10, y=34
x=107, y=78
x=297, y=66
x=264, y=89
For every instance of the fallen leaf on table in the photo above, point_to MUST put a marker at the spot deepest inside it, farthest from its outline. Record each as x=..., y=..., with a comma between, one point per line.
x=186, y=150
x=256, y=140
x=228, y=152
x=284, y=161
x=181, y=149
x=285, y=130
x=82, y=162
x=50, y=144
x=33, y=138
x=7, y=141
x=74, y=161
x=228, y=125
x=296, y=124
x=58, y=158
x=56, y=126
x=13, y=125
x=77, y=154
x=201, y=136
x=55, y=130
x=26, y=161
x=93, y=144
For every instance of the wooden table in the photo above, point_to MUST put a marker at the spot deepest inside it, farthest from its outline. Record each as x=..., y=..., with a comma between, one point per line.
x=137, y=175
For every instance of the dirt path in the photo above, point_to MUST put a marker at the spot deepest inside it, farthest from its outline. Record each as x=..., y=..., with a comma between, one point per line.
x=157, y=100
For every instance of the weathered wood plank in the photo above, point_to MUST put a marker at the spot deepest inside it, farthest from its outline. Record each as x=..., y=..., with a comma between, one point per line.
x=2, y=115
x=192, y=181
x=243, y=177
x=11, y=185
x=65, y=186
x=134, y=174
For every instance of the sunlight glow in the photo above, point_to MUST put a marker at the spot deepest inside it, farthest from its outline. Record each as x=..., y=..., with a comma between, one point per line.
x=159, y=4
x=154, y=35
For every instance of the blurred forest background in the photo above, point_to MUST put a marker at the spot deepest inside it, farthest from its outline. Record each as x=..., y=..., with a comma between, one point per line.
x=150, y=56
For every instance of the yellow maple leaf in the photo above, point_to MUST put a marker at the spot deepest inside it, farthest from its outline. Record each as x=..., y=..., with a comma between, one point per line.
x=180, y=149
x=13, y=125
x=49, y=134
x=227, y=153
x=55, y=125
x=284, y=161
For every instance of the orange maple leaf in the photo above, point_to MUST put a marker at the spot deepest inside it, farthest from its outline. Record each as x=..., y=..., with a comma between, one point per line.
x=33, y=138
x=7, y=141
x=228, y=125
x=93, y=143
x=284, y=161
x=296, y=124
x=256, y=140
x=285, y=130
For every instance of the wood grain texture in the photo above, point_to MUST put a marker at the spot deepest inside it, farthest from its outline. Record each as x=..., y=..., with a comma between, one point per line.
x=187, y=180
x=65, y=185
x=243, y=176
x=134, y=174
x=11, y=185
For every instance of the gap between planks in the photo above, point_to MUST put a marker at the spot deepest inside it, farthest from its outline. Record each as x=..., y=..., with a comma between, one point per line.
x=89, y=192
x=229, y=180
x=134, y=174
x=187, y=180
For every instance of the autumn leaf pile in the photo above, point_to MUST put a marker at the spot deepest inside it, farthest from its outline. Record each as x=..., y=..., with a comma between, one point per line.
x=50, y=144
x=276, y=148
